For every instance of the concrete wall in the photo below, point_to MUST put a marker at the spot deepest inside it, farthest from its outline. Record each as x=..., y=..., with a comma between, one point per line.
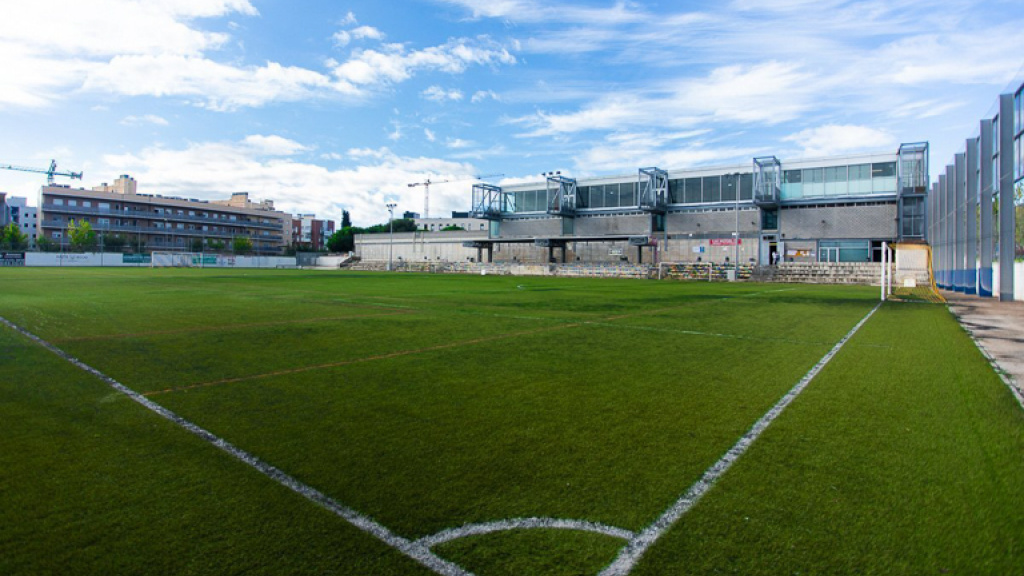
x=839, y=222
x=720, y=222
x=418, y=246
x=598, y=225
x=544, y=227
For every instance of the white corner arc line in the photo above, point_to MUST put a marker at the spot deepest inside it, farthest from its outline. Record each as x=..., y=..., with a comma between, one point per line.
x=630, y=554
x=449, y=534
x=413, y=550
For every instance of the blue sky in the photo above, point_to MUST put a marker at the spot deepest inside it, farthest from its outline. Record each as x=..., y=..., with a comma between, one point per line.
x=331, y=105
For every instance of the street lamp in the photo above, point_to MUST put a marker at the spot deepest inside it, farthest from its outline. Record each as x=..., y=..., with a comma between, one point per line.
x=391, y=228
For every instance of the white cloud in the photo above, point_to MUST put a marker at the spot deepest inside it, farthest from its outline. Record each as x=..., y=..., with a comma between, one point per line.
x=344, y=37
x=767, y=93
x=396, y=134
x=272, y=145
x=533, y=11
x=438, y=94
x=429, y=134
x=212, y=170
x=55, y=48
x=348, y=20
x=394, y=63
x=144, y=119
x=458, y=143
x=215, y=86
x=481, y=95
x=833, y=139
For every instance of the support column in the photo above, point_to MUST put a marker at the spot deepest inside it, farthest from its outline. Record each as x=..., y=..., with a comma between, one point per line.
x=971, y=284
x=960, y=213
x=940, y=246
x=951, y=227
x=490, y=253
x=985, y=287
x=933, y=202
x=1006, y=208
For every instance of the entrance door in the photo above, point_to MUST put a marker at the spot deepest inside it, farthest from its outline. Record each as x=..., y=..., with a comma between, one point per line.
x=828, y=254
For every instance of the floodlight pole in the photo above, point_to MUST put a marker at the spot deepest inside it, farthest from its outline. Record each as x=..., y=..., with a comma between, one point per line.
x=736, y=183
x=391, y=228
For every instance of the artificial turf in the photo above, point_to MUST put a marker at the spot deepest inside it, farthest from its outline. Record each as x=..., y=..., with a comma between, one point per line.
x=427, y=402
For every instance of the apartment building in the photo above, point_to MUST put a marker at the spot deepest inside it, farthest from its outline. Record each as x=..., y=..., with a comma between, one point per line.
x=155, y=222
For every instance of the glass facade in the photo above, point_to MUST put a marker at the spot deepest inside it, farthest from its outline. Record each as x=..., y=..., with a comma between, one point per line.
x=838, y=181
x=809, y=183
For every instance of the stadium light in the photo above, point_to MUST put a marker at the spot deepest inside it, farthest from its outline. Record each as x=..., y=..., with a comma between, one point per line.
x=736, y=241
x=391, y=226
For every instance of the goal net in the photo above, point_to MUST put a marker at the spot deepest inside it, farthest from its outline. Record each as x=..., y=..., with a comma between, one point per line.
x=177, y=260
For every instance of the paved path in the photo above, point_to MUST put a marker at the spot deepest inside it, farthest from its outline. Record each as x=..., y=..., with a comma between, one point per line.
x=997, y=326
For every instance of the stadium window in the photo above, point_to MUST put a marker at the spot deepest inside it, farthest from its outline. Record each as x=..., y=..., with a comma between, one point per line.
x=611, y=195
x=814, y=182
x=692, y=191
x=883, y=177
x=746, y=186
x=792, y=184
x=835, y=180
x=712, y=189
x=675, y=191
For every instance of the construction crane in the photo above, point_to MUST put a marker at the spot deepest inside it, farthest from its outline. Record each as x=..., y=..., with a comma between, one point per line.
x=50, y=172
x=426, y=188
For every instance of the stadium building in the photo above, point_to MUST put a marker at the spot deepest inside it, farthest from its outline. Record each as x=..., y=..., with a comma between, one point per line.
x=157, y=222
x=838, y=209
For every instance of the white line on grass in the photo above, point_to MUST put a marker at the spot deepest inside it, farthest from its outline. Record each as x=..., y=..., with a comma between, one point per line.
x=635, y=548
x=414, y=550
x=450, y=534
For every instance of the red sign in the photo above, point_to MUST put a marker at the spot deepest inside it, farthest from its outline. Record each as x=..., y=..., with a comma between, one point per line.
x=725, y=242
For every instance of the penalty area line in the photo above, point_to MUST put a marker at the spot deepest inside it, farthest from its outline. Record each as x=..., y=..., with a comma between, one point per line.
x=630, y=554
x=413, y=550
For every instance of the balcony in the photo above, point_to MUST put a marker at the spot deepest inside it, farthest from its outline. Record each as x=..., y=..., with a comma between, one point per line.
x=146, y=214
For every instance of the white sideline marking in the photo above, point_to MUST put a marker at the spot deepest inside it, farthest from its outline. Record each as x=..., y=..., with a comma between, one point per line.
x=635, y=548
x=450, y=534
x=414, y=550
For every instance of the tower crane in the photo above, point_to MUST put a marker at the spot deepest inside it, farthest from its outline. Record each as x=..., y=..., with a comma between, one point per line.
x=50, y=172
x=426, y=188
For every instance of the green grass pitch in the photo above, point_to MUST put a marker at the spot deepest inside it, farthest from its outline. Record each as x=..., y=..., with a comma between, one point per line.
x=430, y=402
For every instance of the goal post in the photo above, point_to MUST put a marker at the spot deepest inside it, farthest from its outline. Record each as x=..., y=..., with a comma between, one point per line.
x=176, y=260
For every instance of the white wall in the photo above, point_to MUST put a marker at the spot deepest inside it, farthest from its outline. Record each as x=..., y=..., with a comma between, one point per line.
x=1018, y=280
x=56, y=259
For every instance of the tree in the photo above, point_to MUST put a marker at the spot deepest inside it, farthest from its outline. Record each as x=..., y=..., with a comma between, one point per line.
x=81, y=235
x=45, y=244
x=215, y=245
x=342, y=241
x=11, y=238
x=241, y=245
x=196, y=244
x=346, y=220
x=453, y=228
x=114, y=242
